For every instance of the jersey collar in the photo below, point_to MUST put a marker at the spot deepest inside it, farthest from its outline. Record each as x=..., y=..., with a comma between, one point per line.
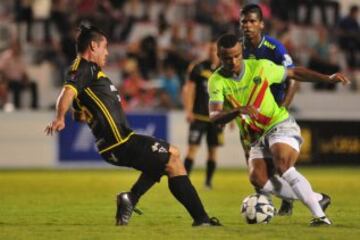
x=247, y=44
x=241, y=74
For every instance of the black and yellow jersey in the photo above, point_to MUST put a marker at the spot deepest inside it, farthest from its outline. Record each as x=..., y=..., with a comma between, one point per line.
x=200, y=75
x=99, y=98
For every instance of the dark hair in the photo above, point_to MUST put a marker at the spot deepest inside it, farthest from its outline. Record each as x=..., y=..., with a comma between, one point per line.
x=252, y=8
x=227, y=40
x=86, y=36
x=354, y=9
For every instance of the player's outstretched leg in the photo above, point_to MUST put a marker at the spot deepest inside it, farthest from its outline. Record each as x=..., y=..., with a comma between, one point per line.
x=182, y=189
x=303, y=190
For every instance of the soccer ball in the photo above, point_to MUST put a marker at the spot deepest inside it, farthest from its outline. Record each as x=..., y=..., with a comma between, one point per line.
x=257, y=208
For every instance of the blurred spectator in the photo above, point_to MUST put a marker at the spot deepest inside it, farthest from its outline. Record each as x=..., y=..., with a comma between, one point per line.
x=147, y=57
x=170, y=87
x=134, y=91
x=3, y=91
x=23, y=13
x=13, y=68
x=320, y=59
x=349, y=36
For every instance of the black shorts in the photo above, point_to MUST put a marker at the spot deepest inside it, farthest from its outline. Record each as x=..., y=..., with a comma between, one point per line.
x=214, y=133
x=144, y=153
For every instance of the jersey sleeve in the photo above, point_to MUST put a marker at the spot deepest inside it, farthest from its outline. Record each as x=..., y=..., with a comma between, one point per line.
x=79, y=79
x=283, y=57
x=274, y=73
x=215, y=89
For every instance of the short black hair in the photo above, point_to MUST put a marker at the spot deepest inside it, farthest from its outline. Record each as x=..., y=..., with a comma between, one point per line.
x=86, y=36
x=227, y=40
x=252, y=8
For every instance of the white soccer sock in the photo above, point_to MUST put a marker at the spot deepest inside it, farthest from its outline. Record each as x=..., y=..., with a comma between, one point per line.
x=280, y=189
x=303, y=191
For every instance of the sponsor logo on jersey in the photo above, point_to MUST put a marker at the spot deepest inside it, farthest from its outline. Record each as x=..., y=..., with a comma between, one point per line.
x=158, y=148
x=269, y=45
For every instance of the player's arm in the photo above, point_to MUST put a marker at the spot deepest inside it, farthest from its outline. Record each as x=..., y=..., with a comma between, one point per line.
x=290, y=92
x=222, y=117
x=62, y=106
x=303, y=74
x=188, y=96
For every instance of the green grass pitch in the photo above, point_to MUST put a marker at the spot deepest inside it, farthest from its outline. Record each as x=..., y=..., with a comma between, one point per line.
x=80, y=204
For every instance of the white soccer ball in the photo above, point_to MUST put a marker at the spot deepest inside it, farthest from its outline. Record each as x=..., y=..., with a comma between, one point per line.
x=257, y=208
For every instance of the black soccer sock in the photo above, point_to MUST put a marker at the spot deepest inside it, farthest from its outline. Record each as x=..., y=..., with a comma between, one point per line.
x=188, y=163
x=210, y=169
x=141, y=186
x=185, y=193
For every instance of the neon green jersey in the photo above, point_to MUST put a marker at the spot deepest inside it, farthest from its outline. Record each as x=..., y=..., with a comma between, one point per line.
x=252, y=87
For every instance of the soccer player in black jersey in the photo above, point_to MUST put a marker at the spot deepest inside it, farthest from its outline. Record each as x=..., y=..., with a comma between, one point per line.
x=196, y=101
x=96, y=100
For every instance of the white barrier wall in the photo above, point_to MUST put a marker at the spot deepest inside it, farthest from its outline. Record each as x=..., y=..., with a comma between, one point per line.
x=22, y=141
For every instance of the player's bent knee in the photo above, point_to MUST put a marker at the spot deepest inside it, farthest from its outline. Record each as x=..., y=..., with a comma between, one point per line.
x=174, y=152
x=175, y=166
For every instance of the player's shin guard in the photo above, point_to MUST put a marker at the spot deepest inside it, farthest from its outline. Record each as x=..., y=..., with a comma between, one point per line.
x=141, y=186
x=185, y=193
x=188, y=163
x=303, y=191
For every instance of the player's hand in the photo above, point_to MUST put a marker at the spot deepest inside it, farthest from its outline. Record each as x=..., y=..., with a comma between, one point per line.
x=56, y=125
x=190, y=117
x=339, y=77
x=251, y=111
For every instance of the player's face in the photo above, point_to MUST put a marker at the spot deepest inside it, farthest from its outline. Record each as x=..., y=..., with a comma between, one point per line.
x=251, y=25
x=231, y=58
x=100, y=51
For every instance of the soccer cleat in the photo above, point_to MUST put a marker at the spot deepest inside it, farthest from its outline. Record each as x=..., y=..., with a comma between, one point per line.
x=319, y=221
x=285, y=208
x=325, y=201
x=125, y=207
x=210, y=222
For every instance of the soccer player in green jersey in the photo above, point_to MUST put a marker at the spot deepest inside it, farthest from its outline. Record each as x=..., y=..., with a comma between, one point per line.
x=240, y=89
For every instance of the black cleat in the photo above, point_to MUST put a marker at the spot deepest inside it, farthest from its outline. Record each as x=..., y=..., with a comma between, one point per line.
x=211, y=222
x=285, y=208
x=320, y=221
x=325, y=201
x=125, y=207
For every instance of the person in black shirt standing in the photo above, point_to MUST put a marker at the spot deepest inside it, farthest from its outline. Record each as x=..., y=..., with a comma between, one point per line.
x=97, y=101
x=196, y=104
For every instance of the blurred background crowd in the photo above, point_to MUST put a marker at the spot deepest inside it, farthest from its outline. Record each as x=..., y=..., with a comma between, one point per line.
x=152, y=43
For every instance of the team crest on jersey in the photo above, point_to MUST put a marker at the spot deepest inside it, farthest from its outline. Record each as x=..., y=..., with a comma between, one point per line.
x=158, y=148
x=257, y=80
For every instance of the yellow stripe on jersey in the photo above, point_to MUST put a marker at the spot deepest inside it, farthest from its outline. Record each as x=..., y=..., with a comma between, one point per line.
x=75, y=64
x=106, y=113
x=72, y=88
x=101, y=74
x=117, y=144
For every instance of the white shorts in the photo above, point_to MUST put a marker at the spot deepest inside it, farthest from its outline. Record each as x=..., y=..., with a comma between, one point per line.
x=287, y=132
